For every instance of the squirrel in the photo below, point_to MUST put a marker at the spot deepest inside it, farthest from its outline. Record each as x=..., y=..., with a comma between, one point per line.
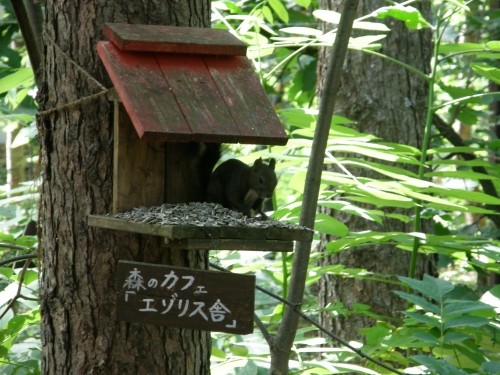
x=240, y=187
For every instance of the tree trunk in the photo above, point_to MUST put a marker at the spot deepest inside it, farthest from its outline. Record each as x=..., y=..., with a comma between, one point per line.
x=389, y=102
x=79, y=331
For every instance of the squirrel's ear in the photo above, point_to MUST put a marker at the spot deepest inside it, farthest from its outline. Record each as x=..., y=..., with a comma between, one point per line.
x=258, y=162
x=272, y=163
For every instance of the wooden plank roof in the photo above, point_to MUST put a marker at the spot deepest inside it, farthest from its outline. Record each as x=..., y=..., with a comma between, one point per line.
x=188, y=84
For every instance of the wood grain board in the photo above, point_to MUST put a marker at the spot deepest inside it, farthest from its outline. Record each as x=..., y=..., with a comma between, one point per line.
x=182, y=297
x=172, y=97
x=186, y=232
x=161, y=38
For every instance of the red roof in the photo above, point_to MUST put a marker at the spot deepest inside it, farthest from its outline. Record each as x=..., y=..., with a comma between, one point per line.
x=183, y=84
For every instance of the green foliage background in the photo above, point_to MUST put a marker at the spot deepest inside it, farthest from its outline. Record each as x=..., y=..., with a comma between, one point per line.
x=451, y=325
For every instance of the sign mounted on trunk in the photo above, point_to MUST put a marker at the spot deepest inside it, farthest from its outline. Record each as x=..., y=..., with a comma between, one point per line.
x=185, y=298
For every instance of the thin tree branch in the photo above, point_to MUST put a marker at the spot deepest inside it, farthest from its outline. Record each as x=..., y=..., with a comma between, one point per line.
x=262, y=328
x=19, y=288
x=18, y=258
x=29, y=17
x=282, y=342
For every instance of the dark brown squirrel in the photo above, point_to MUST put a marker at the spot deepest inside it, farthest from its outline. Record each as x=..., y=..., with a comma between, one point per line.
x=240, y=187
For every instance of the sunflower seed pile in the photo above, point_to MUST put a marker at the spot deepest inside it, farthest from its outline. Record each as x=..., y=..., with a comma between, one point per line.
x=199, y=214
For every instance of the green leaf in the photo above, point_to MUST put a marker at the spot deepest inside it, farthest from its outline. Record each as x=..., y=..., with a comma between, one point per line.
x=349, y=208
x=303, y=3
x=329, y=225
x=380, y=202
x=371, y=150
x=279, y=9
x=429, y=287
x=239, y=350
x=21, y=77
x=437, y=366
x=464, y=321
x=378, y=193
x=455, y=337
x=425, y=319
x=452, y=308
x=454, y=150
x=30, y=276
x=329, y=16
x=366, y=41
x=372, y=26
x=216, y=352
x=333, y=17
x=446, y=48
x=462, y=174
x=7, y=272
x=411, y=16
x=426, y=337
x=308, y=31
x=419, y=301
x=487, y=71
x=268, y=15
x=493, y=45
x=471, y=196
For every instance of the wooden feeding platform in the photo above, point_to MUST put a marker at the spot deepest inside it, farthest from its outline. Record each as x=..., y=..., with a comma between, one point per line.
x=205, y=226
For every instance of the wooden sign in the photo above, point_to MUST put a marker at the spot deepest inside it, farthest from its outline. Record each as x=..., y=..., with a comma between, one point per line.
x=185, y=297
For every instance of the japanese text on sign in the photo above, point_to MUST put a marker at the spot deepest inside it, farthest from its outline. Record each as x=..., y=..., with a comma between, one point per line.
x=184, y=297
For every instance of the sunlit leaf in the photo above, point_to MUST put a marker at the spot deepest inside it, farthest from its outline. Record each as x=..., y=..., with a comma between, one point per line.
x=302, y=31
x=493, y=45
x=303, y=3
x=349, y=208
x=21, y=77
x=279, y=9
x=327, y=16
x=411, y=16
x=462, y=174
x=366, y=41
x=446, y=48
x=472, y=196
x=372, y=26
x=268, y=14
x=333, y=17
x=487, y=71
x=329, y=225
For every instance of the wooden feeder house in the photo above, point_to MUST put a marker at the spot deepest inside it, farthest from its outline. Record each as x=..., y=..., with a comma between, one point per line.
x=176, y=87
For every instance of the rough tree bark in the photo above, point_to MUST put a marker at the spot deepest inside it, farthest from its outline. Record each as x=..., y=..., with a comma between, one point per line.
x=389, y=102
x=79, y=331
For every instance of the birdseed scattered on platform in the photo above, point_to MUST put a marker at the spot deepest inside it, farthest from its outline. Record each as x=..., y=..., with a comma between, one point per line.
x=199, y=214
